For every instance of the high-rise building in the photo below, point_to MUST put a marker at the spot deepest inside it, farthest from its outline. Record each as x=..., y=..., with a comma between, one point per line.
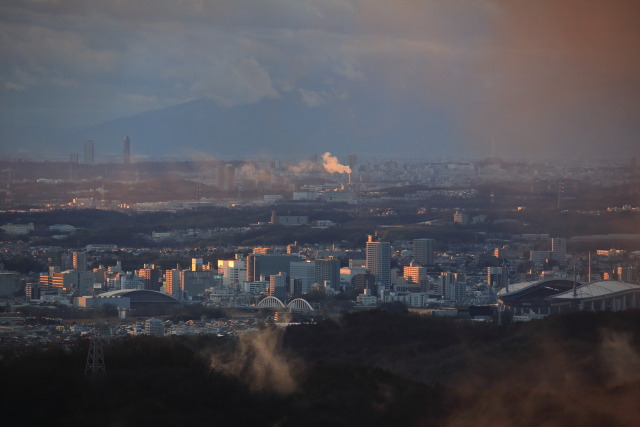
x=80, y=261
x=423, y=252
x=233, y=271
x=328, y=270
x=89, y=148
x=627, y=274
x=172, y=283
x=295, y=287
x=495, y=276
x=151, y=276
x=305, y=272
x=126, y=155
x=362, y=281
x=539, y=257
x=278, y=286
x=447, y=279
x=195, y=282
x=559, y=249
x=196, y=264
x=266, y=265
x=453, y=290
x=378, y=261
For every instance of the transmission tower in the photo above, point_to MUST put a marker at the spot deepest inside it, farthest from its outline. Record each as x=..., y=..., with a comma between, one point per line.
x=95, y=357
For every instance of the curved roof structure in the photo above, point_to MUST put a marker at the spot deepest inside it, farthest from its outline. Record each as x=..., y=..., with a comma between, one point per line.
x=140, y=296
x=535, y=292
x=556, y=295
x=603, y=288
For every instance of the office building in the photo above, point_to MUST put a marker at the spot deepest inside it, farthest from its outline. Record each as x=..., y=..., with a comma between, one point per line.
x=628, y=274
x=347, y=273
x=495, y=276
x=196, y=264
x=259, y=265
x=194, y=283
x=328, y=271
x=130, y=281
x=305, y=272
x=362, y=281
x=452, y=290
x=539, y=257
x=172, y=283
x=559, y=249
x=278, y=286
x=80, y=261
x=378, y=262
x=233, y=271
x=151, y=276
x=423, y=253
x=256, y=288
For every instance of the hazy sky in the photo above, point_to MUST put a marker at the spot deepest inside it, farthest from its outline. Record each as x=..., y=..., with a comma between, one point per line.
x=512, y=77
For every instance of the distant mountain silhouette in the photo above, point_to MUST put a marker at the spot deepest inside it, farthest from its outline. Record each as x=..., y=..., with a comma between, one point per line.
x=272, y=126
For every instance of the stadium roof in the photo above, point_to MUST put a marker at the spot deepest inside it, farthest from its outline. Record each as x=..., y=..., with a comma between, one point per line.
x=535, y=292
x=598, y=289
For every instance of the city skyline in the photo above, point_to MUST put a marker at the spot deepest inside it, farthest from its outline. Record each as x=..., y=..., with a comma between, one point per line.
x=471, y=79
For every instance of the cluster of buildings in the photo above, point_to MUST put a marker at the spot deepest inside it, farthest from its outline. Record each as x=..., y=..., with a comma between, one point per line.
x=413, y=273
x=367, y=275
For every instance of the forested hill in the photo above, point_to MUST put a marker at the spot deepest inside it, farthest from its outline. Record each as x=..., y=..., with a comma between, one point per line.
x=368, y=368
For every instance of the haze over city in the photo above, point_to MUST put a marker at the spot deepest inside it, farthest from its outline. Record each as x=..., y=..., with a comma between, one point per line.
x=320, y=212
x=238, y=79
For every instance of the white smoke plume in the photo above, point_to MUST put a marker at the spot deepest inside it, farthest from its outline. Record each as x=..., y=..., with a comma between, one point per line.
x=620, y=357
x=260, y=362
x=332, y=165
x=305, y=166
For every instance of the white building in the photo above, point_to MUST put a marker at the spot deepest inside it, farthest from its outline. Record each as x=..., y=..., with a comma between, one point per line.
x=131, y=281
x=366, y=298
x=233, y=271
x=256, y=288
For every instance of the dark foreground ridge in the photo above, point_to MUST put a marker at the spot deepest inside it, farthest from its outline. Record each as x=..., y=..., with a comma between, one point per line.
x=370, y=368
